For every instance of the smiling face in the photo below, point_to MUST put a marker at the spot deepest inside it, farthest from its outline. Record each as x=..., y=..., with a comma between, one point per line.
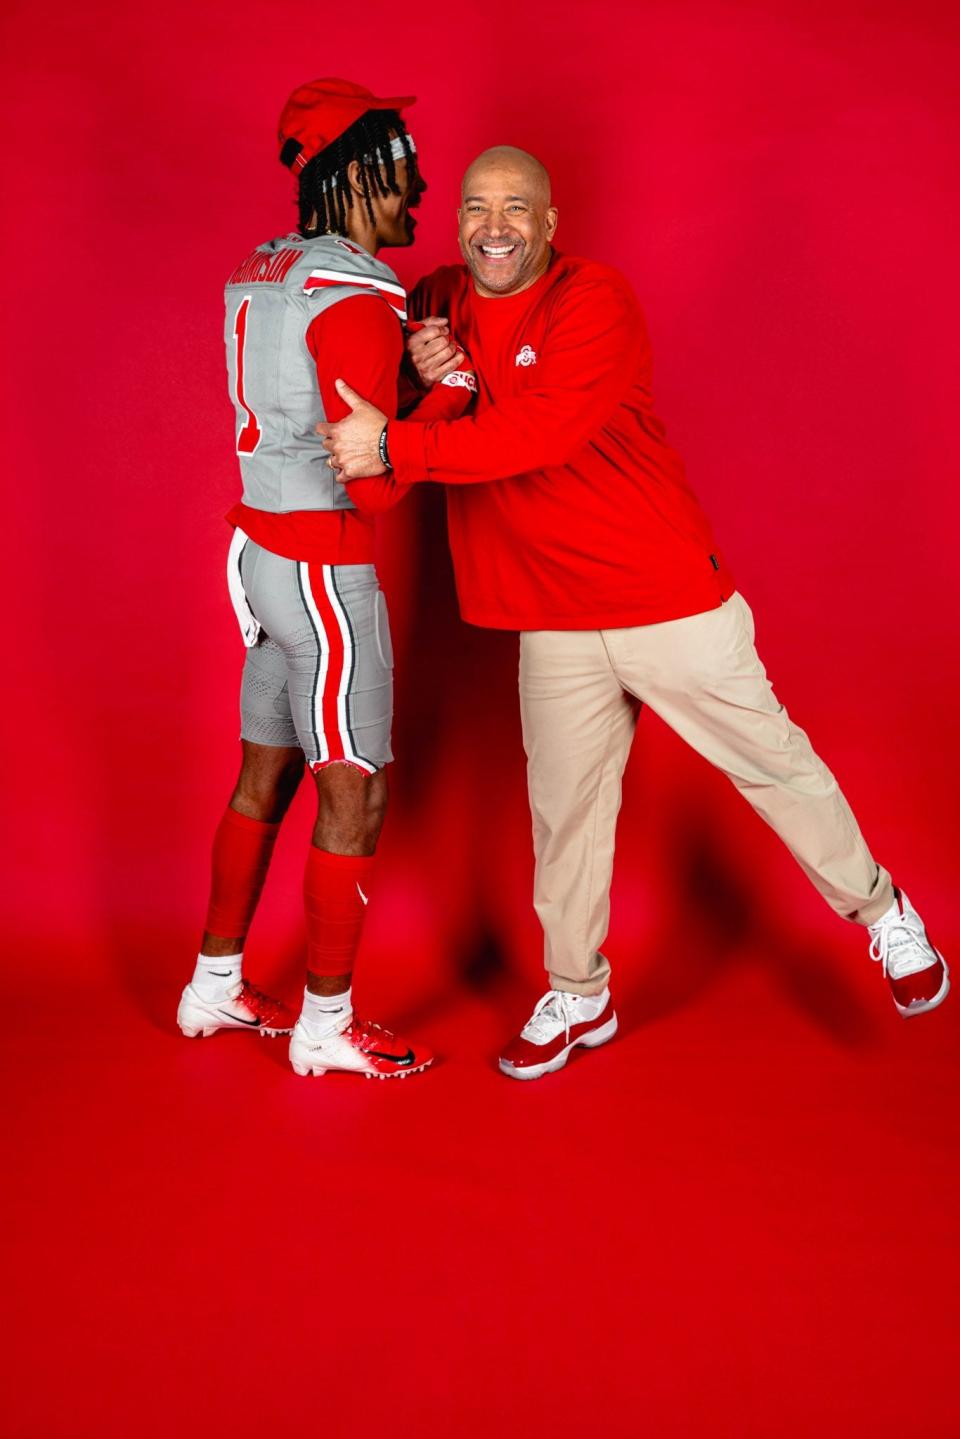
x=506, y=221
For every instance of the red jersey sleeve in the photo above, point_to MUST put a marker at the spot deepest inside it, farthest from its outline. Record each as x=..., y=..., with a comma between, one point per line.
x=360, y=340
x=588, y=363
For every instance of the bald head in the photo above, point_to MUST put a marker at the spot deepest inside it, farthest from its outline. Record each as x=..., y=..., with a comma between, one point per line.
x=507, y=220
x=530, y=174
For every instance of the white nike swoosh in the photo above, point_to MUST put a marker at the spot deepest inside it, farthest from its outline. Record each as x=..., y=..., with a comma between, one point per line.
x=362, y=895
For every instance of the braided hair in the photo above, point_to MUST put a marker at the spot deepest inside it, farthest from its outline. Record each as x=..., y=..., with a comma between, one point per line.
x=324, y=186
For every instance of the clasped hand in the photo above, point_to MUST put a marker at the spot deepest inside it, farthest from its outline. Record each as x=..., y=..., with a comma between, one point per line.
x=432, y=350
x=353, y=443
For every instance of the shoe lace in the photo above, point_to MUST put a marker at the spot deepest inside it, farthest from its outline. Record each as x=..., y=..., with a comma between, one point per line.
x=899, y=944
x=258, y=1003
x=366, y=1034
x=552, y=1008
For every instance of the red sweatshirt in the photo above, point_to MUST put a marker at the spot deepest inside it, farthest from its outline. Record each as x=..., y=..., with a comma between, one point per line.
x=567, y=508
x=358, y=340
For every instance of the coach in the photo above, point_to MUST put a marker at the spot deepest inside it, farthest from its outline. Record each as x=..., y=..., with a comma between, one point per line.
x=571, y=520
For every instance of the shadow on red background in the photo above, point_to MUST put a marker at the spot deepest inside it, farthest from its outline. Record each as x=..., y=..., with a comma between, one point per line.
x=737, y=1220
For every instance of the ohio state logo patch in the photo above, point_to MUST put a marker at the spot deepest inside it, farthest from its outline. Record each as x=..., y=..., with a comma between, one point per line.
x=526, y=356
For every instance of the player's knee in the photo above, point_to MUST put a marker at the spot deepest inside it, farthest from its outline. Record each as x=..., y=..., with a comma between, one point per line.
x=351, y=802
x=267, y=784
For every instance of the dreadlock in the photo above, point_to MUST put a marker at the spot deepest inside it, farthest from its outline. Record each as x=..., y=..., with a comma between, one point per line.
x=324, y=187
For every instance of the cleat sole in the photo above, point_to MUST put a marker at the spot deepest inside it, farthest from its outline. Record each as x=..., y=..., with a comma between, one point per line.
x=398, y=1073
x=306, y=1070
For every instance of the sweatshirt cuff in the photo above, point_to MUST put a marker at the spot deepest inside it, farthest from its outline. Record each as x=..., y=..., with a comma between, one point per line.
x=406, y=441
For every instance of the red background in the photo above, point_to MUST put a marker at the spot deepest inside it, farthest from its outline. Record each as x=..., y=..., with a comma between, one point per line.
x=737, y=1220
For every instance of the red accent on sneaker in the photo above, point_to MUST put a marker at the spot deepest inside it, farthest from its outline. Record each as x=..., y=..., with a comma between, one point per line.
x=520, y=1053
x=388, y=1053
x=920, y=988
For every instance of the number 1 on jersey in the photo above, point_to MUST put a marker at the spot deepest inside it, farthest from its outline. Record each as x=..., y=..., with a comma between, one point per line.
x=250, y=433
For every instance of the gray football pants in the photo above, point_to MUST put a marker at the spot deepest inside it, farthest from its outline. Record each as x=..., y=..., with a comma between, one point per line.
x=319, y=665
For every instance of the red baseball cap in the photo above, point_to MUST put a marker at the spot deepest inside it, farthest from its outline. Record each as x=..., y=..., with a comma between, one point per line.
x=318, y=112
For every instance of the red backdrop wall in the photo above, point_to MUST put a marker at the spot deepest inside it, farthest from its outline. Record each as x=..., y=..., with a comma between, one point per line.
x=778, y=181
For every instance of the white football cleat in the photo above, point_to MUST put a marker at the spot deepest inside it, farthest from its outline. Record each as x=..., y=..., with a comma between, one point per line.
x=245, y=1008
x=357, y=1046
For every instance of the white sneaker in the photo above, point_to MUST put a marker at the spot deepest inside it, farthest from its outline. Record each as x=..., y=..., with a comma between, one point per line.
x=242, y=1007
x=358, y=1046
x=916, y=972
x=559, y=1023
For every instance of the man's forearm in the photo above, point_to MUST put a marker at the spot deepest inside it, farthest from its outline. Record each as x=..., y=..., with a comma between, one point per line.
x=581, y=380
x=514, y=437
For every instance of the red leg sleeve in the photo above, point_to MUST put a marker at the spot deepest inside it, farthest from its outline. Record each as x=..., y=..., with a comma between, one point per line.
x=242, y=849
x=336, y=888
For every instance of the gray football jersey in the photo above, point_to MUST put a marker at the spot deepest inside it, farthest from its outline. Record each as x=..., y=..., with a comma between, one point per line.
x=271, y=299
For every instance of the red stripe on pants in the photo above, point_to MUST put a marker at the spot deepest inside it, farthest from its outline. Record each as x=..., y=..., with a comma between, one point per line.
x=329, y=710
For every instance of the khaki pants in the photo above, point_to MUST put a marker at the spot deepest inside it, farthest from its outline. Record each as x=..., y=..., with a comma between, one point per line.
x=703, y=677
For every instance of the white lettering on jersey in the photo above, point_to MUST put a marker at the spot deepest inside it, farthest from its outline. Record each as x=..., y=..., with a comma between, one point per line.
x=526, y=356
